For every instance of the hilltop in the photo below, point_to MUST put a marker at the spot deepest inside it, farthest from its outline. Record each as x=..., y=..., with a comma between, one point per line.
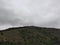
x=30, y=35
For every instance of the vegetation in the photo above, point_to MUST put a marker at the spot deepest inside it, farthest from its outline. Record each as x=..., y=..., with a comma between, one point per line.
x=30, y=35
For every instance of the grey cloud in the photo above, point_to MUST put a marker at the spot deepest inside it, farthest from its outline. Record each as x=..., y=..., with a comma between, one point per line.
x=8, y=17
x=42, y=13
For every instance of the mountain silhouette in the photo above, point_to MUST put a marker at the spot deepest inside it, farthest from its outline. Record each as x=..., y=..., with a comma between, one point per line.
x=30, y=35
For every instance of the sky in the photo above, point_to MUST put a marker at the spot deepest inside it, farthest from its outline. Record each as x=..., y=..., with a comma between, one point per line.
x=41, y=13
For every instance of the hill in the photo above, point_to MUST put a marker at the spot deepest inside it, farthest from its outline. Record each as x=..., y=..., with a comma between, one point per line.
x=30, y=35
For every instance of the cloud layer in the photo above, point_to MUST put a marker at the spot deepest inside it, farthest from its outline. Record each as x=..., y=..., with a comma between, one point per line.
x=42, y=13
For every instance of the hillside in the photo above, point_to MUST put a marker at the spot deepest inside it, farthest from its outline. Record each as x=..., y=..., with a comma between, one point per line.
x=30, y=35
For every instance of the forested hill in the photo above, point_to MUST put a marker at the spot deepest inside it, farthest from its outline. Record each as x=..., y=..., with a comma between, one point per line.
x=30, y=35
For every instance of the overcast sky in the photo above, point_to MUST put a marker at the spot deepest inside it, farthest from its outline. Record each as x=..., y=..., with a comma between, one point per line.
x=42, y=13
